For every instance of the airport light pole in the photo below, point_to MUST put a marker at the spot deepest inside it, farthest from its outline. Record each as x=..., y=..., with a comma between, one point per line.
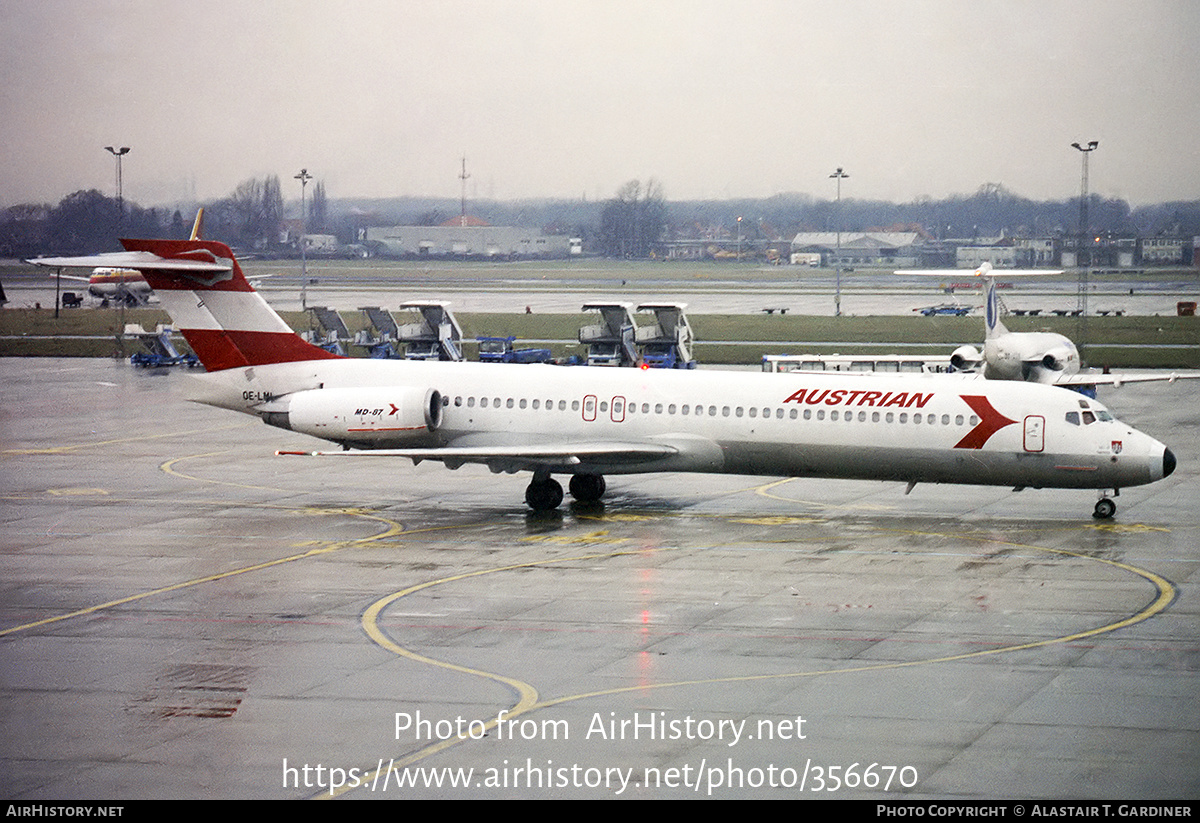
x=838, y=175
x=303, y=177
x=739, y=254
x=1084, y=258
x=118, y=154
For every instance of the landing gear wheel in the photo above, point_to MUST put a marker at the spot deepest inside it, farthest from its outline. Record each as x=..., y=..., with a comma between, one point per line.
x=543, y=495
x=1105, y=509
x=587, y=488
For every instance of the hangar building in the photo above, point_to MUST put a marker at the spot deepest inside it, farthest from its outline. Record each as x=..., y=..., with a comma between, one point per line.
x=467, y=237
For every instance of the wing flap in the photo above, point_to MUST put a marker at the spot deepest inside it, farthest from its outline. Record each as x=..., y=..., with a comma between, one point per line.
x=517, y=458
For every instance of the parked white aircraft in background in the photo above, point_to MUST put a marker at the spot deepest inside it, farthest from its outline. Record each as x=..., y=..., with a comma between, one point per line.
x=1035, y=357
x=109, y=283
x=588, y=422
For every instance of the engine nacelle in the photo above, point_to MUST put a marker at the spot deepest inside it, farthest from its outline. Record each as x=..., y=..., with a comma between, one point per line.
x=965, y=358
x=1060, y=358
x=367, y=417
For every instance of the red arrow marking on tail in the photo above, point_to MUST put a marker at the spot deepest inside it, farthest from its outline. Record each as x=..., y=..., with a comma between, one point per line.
x=990, y=422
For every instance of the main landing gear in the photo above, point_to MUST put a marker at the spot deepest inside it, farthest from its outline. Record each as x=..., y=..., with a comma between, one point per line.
x=544, y=493
x=1105, y=507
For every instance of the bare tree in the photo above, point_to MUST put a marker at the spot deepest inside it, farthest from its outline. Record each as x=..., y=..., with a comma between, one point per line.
x=318, y=212
x=254, y=212
x=272, y=209
x=634, y=220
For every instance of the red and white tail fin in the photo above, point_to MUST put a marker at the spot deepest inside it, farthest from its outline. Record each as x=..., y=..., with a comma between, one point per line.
x=224, y=320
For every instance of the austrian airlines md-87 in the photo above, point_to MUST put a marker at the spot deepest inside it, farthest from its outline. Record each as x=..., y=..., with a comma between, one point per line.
x=590, y=422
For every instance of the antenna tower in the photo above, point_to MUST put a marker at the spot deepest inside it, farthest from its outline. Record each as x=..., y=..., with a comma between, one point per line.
x=462, y=211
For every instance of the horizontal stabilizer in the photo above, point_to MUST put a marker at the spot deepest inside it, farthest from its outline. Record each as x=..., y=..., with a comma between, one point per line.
x=132, y=260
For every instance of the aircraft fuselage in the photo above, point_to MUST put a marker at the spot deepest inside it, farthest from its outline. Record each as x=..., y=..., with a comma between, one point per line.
x=933, y=428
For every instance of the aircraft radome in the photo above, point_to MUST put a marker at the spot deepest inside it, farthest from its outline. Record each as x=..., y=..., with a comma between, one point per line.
x=586, y=423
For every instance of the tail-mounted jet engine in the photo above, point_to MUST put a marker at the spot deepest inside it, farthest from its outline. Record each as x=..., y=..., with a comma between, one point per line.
x=1057, y=359
x=367, y=418
x=966, y=358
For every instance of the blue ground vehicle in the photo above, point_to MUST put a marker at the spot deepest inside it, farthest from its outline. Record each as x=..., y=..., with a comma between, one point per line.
x=503, y=350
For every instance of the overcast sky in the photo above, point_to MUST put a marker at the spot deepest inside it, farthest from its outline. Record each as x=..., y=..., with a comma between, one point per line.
x=570, y=98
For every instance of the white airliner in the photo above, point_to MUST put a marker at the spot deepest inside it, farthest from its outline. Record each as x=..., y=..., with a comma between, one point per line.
x=109, y=283
x=1035, y=357
x=590, y=422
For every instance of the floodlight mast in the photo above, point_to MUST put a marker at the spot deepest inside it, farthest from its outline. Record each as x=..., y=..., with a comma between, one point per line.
x=303, y=177
x=118, y=154
x=1083, y=251
x=838, y=175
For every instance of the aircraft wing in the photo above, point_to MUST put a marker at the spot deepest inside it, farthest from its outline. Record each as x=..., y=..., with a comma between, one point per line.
x=1117, y=380
x=130, y=260
x=985, y=270
x=518, y=458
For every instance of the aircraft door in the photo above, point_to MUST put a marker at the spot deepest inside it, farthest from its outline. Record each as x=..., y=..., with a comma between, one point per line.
x=618, y=409
x=1035, y=433
x=589, y=408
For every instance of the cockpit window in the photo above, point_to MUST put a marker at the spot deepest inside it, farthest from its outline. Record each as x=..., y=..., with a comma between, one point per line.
x=1088, y=418
x=1103, y=415
x=1073, y=418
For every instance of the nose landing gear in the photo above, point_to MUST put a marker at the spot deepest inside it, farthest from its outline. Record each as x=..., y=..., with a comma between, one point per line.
x=1105, y=509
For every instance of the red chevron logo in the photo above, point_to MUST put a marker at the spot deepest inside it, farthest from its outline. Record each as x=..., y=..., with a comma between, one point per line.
x=990, y=422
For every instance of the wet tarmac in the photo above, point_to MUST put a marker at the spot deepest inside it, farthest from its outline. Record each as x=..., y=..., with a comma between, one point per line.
x=543, y=288
x=183, y=614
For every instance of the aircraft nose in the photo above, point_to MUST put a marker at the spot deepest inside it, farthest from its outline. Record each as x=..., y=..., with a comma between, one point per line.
x=1168, y=462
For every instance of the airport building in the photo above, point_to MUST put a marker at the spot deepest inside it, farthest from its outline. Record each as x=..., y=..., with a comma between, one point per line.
x=468, y=237
x=859, y=248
